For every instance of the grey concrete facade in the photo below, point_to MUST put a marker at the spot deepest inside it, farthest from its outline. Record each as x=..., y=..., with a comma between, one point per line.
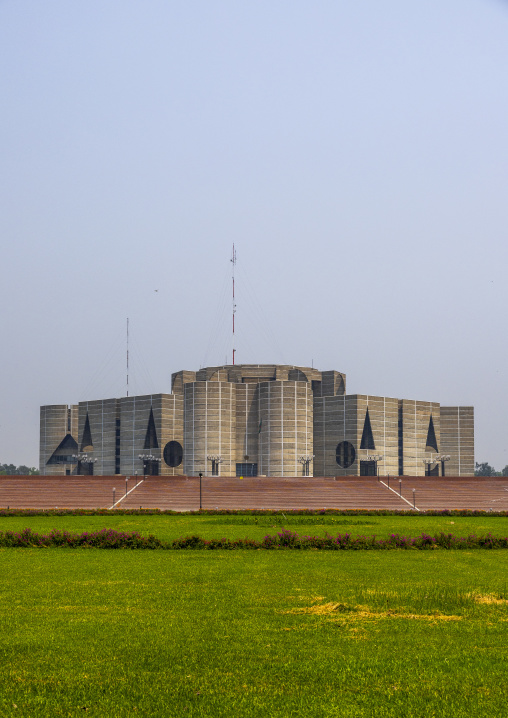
x=58, y=429
x=271, y=420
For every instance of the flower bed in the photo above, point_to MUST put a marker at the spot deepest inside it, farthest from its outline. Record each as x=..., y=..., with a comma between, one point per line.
x=283, y=540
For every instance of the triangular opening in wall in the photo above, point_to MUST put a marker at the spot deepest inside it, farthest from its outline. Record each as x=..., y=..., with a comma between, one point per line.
x=431, y=437
x=367, y=441
x=151, y=434
x=86, y=440
x=64, y=450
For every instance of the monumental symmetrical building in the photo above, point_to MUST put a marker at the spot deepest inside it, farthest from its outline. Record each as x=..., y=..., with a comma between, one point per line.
x=264, y=420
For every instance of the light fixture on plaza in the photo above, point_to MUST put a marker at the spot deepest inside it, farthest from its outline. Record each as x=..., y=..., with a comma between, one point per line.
x=443, y=458
x=149, y=457
x=305, y=460
x=84, y=459
x=434, y=460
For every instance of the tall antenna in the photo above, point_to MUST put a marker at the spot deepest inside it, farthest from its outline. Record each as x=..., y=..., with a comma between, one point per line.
x=233, y=261
x=127, y=356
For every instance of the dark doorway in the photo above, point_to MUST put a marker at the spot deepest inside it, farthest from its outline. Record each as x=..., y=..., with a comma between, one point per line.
x=85, y=468
x=368, y=468
x=246, y=469
x=150, y=468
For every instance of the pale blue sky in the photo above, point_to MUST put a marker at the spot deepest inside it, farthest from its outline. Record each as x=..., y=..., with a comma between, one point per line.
x=355, y=152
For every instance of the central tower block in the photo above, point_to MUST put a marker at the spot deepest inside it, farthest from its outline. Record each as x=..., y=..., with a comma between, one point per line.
x=285, y=410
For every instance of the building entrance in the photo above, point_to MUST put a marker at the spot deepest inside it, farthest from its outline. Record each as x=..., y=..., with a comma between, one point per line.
x=368, y=468
x=246, y=469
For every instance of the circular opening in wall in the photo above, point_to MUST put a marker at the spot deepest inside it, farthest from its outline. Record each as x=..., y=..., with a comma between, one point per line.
x=173, y=453
x=345, y=454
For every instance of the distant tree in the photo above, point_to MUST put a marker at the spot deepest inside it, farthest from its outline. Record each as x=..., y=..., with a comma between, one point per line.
x=11, y=470
x=485, y=469
x=7, y=469
x=27, y=470
x=504, y=472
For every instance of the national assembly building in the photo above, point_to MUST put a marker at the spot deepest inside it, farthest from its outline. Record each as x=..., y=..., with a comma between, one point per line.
x=257, y=420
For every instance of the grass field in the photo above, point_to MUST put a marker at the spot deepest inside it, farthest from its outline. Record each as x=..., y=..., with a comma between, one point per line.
x=253, y=633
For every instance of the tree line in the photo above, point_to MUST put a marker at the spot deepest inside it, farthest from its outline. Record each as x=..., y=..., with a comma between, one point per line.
x=11, y=470
x=485, y=469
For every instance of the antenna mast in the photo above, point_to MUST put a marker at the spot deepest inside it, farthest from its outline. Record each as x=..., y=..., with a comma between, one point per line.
x=127, y=356
x=233, y=261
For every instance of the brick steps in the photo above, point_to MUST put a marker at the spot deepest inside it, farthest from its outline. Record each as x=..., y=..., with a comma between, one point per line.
x=49, y=492
x=181, y=493
x=482, y=493
x=257, y=493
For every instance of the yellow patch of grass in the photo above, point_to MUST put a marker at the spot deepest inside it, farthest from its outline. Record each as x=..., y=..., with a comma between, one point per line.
x=364, y=613
x=488, y=598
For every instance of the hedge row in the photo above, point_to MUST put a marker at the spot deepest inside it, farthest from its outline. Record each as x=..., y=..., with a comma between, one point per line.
x=108, y=538
x=247, y=512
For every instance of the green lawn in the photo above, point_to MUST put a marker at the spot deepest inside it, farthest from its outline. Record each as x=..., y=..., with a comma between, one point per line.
x=238, y=526
x=252, y=633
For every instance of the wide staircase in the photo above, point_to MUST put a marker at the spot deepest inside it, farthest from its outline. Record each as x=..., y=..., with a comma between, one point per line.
x=182, y=493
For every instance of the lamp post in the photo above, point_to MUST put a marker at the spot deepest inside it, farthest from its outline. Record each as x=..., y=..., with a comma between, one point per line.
x=200, y=491
x=216, y=460
x=428, y=463
x=305, y=460
x=434, y=460
x=443, y=458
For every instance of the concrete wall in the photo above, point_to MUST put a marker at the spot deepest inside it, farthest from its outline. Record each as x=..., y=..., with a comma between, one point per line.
x=168, y=414
x=335, y=421
x=383, y=416
x=416, y=418
x=457, y=439
x=56, y=421
x=209, y=426
x=247, y=423
x=134, y=418
x=285, y=411
x=342, y=418
x=102, y=415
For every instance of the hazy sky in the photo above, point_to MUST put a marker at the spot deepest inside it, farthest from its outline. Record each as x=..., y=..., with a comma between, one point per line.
x=355, y=152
